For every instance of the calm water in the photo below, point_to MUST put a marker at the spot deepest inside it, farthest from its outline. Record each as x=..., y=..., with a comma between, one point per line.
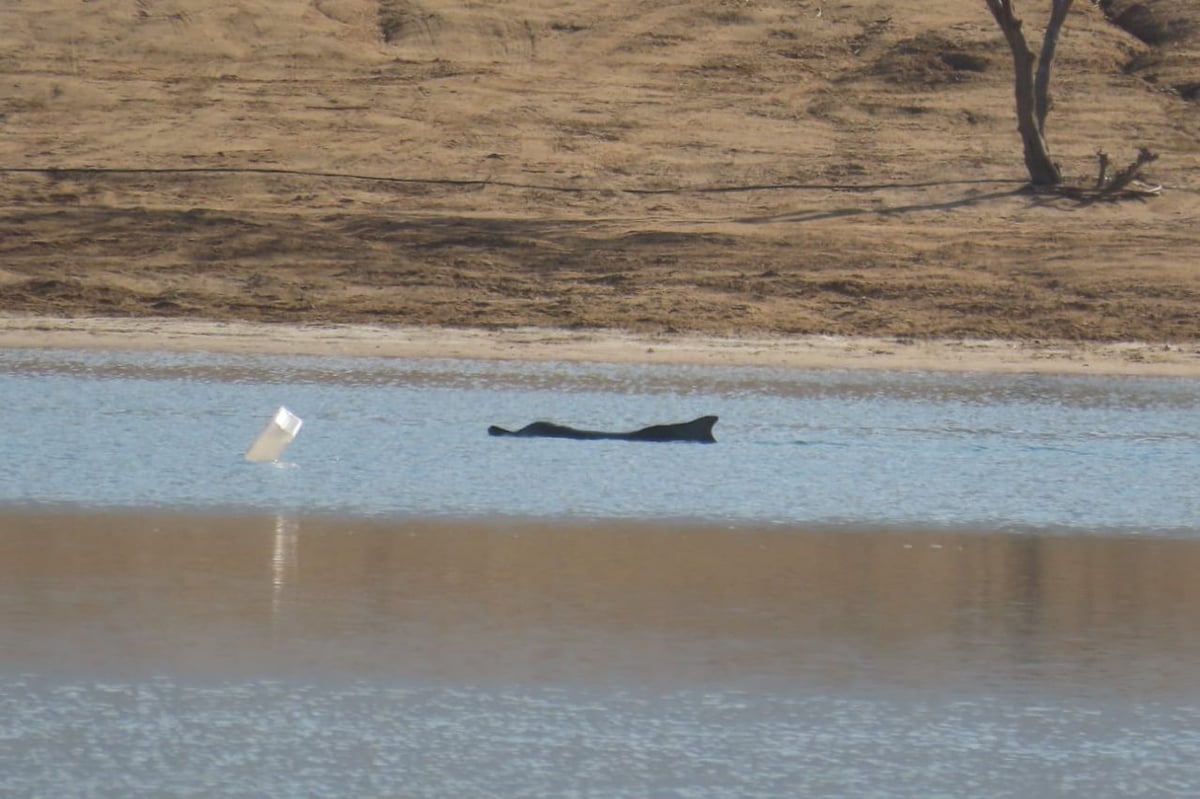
x=873, y=585
x=409, y=438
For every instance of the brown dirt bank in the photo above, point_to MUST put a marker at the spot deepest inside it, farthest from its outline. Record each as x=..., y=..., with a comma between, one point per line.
x=606, y=346
x=718, y=167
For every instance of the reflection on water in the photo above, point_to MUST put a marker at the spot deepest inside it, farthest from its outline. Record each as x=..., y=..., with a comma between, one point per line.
x=284, y=560
x=520, y=658
x=258, y=596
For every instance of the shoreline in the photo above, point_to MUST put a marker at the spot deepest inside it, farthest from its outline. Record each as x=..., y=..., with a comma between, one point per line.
x=601, y=346
x=905, y=534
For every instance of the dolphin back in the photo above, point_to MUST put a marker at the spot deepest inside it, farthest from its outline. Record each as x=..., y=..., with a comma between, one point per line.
x=698, y=431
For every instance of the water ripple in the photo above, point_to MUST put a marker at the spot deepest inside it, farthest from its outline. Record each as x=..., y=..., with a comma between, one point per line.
x=409, y=438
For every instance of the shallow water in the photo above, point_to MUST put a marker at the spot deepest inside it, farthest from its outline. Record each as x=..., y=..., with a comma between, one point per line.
x=386, y=437
x=150, y=654
x=873, y=585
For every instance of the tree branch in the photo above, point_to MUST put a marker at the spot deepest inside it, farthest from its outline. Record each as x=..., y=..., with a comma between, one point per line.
x=1122, y=179
x=1041, y=85
x=1102, y=177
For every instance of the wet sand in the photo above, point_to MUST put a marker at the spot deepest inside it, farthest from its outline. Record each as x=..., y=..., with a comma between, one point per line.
x=542, y=344
x=134, y=595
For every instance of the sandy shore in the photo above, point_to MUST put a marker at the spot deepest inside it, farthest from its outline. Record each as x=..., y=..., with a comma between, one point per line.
x=798, y=352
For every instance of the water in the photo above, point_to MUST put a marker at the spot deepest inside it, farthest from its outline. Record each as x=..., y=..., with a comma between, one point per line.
x=873, y=585
x=409, y=438
x=362, y=740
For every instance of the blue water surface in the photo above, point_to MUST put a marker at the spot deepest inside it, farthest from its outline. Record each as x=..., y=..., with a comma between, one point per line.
x=408, y=437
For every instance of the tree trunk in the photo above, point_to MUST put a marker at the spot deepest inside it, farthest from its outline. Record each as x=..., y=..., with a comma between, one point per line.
x=1031, y=94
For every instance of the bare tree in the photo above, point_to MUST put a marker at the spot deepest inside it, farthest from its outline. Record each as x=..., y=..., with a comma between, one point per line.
x=1032, y=79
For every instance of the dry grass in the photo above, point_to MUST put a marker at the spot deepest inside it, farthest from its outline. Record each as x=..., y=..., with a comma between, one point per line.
x=723, y=166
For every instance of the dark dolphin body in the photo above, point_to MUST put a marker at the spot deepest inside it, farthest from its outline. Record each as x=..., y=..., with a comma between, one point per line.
x=697, y=430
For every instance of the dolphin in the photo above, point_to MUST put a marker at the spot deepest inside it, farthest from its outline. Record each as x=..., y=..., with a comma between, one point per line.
x=696, y=431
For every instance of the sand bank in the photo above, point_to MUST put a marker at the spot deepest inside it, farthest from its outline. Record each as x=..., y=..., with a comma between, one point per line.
x=538, y=344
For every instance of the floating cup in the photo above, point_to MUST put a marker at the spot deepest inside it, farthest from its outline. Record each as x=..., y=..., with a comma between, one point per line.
x=275, y=437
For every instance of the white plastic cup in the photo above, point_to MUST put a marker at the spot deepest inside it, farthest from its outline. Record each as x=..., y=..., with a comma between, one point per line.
x=280, y=431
